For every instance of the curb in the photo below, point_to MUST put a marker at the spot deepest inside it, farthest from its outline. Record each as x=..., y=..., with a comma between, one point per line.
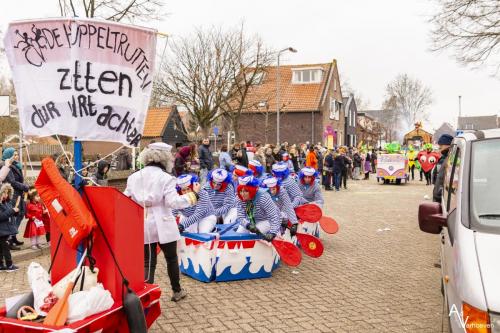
x=28, y=254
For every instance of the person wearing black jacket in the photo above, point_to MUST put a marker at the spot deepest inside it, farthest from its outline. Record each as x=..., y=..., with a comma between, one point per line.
x=16, y=179
x=444, y=143
x=356, y=161
x=206, y=160
x=347, y=165
x=328, y=168
x=7, y=227
x=338, y=167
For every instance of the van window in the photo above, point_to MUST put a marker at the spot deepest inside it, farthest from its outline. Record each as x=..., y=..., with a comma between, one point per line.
x=485, y=182
x=451, y=182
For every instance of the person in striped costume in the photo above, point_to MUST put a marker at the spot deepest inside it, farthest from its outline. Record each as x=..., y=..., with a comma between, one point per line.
x=239, y=171
x=221, y=193
x=282, y=201
x=280, y=170
x=257, y=212
x=257, y=169
x=309, y=187
x=199, y=218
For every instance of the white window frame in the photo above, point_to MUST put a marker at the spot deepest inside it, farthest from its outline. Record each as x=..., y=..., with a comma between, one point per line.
x=297, y=75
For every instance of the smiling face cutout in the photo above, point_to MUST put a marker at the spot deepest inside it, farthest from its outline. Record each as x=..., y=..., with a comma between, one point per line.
x=428, y=160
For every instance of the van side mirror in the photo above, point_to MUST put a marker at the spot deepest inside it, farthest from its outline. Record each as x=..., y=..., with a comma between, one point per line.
x=431, y=218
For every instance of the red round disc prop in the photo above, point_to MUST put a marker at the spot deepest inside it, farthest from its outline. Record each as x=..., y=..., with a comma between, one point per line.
x=328, y=225
x=311, y=245
x=288, y=252
x=308, y=213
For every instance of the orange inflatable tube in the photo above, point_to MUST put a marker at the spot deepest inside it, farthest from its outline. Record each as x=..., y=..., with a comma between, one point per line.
x=65, y=205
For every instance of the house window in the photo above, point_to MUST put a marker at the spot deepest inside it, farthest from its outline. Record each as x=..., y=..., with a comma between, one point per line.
x=307, y=76
x=334, y=109
x=469, y=126
x=257, y=77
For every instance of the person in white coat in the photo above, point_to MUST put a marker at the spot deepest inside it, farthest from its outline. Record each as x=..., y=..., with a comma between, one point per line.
x=154, y=189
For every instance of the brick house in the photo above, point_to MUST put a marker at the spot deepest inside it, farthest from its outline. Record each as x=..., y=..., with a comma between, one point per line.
x=350, y=113
x=369, y=131
x=311, y=105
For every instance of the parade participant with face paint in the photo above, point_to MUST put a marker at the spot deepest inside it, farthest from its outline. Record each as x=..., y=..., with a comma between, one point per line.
x=221, y=191
x=282, y=201
x=280, y=171
x=310, y=189
x=286, y=158
x=257, y=169
x=257, y=212
x=199, y=218
x=239, y=171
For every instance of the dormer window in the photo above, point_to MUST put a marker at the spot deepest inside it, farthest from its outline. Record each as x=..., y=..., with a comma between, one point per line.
x=308, y=75
x=257, y=77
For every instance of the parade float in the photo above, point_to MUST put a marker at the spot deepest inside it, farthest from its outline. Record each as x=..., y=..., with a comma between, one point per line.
x=226, y=255
x=392, y=166
x=89, y=80
x=417, y=137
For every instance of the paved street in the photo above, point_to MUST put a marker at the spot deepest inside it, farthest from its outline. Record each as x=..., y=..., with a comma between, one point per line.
x=377, y=275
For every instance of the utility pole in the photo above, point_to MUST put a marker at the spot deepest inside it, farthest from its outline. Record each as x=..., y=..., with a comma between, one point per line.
x=459, y=110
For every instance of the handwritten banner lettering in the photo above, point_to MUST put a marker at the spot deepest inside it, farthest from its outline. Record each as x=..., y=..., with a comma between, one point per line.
x=87, y=79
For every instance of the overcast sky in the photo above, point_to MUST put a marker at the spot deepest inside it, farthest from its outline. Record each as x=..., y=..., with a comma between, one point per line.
x=372, y=41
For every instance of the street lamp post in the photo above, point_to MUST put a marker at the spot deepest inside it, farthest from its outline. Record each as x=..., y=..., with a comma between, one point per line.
x=291, y=49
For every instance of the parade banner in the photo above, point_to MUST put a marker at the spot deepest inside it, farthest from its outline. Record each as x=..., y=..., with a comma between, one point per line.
x=87, y=79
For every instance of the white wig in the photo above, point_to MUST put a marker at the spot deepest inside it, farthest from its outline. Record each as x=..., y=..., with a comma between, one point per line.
x=151, y=155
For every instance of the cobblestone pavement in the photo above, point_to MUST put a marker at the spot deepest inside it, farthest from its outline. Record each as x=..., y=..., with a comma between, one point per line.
x=376, y=275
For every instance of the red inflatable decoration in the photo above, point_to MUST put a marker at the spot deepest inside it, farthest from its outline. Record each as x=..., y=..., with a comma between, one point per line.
x=427, y=160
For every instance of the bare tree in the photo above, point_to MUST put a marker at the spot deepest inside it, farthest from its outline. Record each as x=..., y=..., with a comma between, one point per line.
x=362, y=103
x=410, y=99
x=199, y=75
x=249, y=63
x=211, y=74
x=113, y=10
x=390, y=119
x=471, y=28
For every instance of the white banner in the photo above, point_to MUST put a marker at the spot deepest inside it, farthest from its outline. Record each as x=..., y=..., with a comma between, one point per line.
x=87, y=79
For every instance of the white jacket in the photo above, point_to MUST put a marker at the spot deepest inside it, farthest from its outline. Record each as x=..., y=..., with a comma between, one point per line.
x=155, y=190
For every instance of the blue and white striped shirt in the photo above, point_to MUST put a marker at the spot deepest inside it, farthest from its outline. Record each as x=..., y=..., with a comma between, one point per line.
x=264, y=210
x=312, y=193
x=221, y=201
x=196, y=213
x=282, y=201
x=294, y=192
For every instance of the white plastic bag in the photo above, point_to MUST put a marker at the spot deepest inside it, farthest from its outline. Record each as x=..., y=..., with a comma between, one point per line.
x=90, y=280
x=83, y=304
x=38, y=279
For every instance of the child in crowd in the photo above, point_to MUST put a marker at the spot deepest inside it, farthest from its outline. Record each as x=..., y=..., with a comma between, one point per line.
x=34, y=213
x=7, y=227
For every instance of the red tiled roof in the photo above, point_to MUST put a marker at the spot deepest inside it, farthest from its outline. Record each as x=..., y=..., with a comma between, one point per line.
x=156, y=119
x=293, y=96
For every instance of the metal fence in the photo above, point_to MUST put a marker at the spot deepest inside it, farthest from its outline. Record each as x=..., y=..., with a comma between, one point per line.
x=38, y=151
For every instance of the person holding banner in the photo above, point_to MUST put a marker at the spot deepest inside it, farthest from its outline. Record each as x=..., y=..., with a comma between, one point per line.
x=154, y=189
